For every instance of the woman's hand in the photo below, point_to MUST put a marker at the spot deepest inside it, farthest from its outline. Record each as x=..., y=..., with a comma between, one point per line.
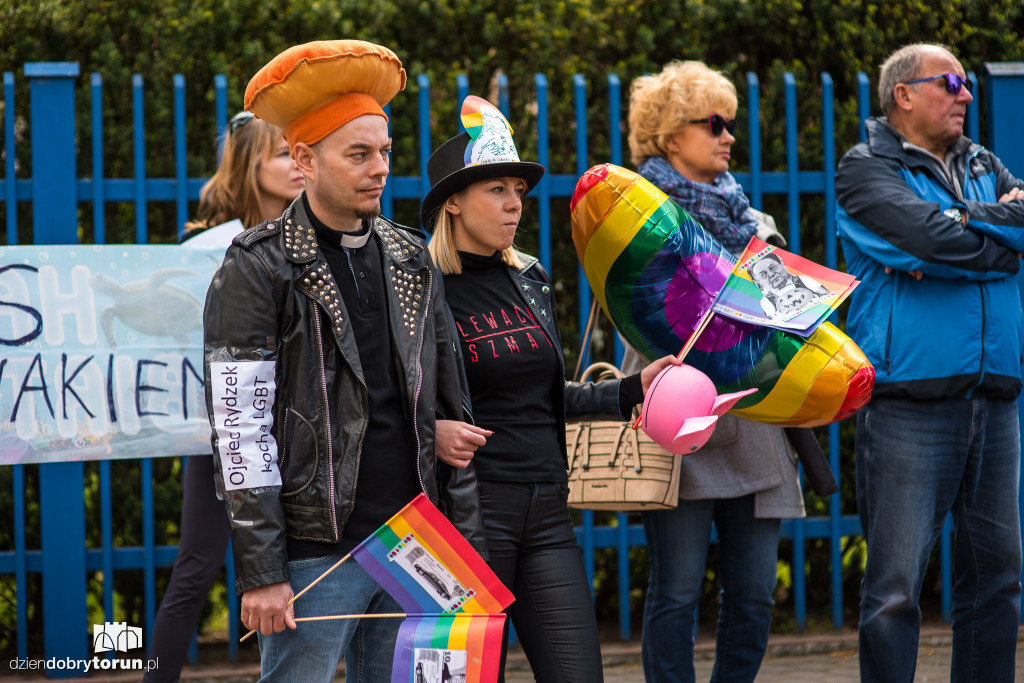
x=648, y=374
x=457, y=442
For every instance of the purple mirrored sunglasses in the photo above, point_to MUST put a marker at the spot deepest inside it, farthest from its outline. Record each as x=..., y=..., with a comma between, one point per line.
x=953, y=83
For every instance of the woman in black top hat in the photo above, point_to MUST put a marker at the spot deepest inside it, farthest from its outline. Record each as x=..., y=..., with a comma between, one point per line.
x=504, y=316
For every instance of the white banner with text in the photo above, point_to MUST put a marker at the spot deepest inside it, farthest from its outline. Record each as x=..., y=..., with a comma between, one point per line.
x=101, y=351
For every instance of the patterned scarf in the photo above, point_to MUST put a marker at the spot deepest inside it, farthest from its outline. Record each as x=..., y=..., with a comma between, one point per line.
x=721, y=208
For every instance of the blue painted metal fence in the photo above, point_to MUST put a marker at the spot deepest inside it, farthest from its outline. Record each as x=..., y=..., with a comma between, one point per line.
x=55, y=194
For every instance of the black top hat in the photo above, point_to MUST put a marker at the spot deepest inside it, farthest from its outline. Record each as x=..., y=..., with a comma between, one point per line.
x=449, y=172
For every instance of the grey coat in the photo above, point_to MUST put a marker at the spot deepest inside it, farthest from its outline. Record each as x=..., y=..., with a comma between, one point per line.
x=740, y=458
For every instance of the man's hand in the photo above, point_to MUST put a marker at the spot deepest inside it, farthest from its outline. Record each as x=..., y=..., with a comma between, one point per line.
x=266, y=609
x=1015, y=193
x=648, y=374
x=457, y=442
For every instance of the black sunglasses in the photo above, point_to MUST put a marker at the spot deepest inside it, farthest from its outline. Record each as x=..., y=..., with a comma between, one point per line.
x=240, y=119
x=717, y=123
x=953, y=83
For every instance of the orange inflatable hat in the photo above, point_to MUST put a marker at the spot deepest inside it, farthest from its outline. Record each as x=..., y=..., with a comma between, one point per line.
x=311, y=90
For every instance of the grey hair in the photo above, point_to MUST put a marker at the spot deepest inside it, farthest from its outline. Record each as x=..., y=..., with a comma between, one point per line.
x=901, y=66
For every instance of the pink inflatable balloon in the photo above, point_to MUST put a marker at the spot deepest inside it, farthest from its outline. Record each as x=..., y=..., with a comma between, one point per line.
x=681, y=408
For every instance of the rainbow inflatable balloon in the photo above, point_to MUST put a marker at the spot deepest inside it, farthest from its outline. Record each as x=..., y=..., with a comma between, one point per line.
x=656, y=272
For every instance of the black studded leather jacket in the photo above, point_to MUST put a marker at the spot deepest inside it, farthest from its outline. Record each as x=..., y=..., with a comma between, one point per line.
x=286, y=398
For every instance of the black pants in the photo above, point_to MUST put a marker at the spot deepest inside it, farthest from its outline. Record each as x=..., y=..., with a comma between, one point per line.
x=205, y=531
x=533, y=550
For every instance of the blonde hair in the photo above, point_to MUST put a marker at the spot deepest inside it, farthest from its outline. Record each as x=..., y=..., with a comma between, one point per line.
x=442, y=246
x=233, y=191
x=662, y=103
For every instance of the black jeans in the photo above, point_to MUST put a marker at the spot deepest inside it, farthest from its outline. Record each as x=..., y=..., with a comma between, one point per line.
x=533, y=550
x=205, y=531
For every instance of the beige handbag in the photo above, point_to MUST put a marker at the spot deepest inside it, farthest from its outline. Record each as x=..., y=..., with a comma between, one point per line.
x=615, y=467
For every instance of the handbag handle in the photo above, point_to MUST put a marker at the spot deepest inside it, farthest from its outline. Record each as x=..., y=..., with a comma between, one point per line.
x=601, y=368
x=580, y=439
x=585, y=341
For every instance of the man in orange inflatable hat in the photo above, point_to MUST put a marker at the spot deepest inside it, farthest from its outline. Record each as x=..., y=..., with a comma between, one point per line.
x=328, y=358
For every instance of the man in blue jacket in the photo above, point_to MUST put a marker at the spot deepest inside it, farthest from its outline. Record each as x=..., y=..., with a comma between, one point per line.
x=933, y=226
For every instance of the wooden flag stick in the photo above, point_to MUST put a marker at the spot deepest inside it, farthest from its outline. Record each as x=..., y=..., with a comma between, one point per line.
x=687, y=347
x=696, y=333
x=303, y=591
x=354, y=616
x=319, y=579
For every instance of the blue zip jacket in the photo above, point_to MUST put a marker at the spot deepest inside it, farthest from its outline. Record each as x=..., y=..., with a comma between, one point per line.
x=957, y=332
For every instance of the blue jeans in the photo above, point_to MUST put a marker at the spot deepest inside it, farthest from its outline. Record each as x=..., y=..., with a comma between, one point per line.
x=311, y=652
x=747, y=555
x=916, y=461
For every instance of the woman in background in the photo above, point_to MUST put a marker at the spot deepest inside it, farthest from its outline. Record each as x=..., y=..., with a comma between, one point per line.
x=503, y=310
x=744, y=479
x=255, y=182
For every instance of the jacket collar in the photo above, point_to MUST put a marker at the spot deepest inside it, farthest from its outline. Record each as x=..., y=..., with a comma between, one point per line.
x=301, y=247
x=886, y=141
x=535, y=292
x=527, y=260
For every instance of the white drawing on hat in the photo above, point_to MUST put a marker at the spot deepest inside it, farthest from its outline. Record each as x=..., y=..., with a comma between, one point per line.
x=494, y=143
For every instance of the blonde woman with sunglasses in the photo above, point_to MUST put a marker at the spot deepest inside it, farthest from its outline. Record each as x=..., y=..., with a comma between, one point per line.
x=682, y=125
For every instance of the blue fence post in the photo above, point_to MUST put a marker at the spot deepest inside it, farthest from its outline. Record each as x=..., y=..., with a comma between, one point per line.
x=99, y=234
x=622, y=519
x=544, y=186
x=863, y=104
x=220, y=111
x=10, y=175
x=61, y=502
x=793, y=196
x=461, y=93
x=792, y=164
x=11, y=210
x=503, y=104
x=1004, y=91
x=139, y=156
x=754, y=113
x=579, y=88
x=423, y=83
x=973, y=113
x=615, y=150
x=828, y=135
x=180, y=159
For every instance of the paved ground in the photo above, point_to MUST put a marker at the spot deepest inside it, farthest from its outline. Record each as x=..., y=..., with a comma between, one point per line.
x=826, y=658
x=819, y=658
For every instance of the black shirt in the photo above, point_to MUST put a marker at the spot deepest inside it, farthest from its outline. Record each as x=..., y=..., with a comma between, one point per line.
x=513, y=371
x=387, y=467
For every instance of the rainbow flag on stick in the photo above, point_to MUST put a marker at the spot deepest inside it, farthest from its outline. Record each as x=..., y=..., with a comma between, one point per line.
x=427, y=566
x=449, y=648
x=775, y=288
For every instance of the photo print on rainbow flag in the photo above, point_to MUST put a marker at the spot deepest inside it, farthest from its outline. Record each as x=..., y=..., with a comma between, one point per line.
x=454, y=625
x=449, y=648
x=428, y=567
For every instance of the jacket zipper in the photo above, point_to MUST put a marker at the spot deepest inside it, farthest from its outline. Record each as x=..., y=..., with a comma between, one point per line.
x=969, y=182
x=984, y=335
x=419, y=380
x=967, y=177
x=327, y=420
